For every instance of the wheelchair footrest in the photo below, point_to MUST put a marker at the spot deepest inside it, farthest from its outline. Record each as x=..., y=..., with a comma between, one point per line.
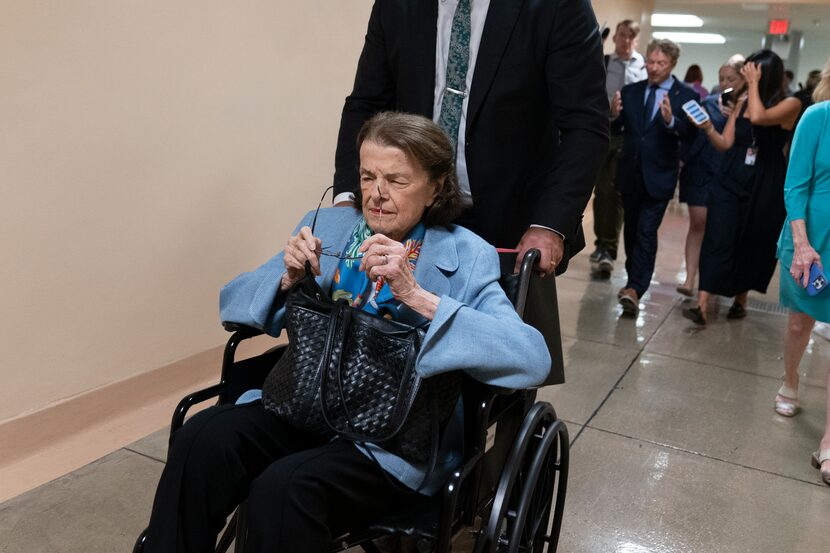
x=420, y=521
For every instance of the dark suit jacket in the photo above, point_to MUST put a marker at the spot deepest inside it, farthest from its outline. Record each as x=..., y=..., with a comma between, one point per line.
x=537, y=119
x=655, y=149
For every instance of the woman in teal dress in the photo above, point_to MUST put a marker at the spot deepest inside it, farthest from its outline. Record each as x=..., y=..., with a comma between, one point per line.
x=805, y=239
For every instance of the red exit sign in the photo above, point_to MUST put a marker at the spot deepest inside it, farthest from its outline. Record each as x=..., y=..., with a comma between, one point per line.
x=779, y=26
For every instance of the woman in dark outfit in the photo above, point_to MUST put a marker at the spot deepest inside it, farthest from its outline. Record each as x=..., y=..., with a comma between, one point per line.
x=746, y=208
x=700, y=166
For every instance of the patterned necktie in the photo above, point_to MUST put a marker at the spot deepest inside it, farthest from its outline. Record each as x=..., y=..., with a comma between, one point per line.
x=648, y=111
x=458, y=60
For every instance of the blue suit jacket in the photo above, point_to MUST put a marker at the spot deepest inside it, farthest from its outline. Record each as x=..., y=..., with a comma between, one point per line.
x=475, y=328
x=655, y=148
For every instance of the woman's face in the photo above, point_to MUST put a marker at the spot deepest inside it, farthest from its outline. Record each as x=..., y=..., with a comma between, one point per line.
x=729, y=78
x=396, y=192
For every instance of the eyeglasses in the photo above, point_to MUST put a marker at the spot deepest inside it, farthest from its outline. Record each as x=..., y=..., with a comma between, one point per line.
x=314, y=224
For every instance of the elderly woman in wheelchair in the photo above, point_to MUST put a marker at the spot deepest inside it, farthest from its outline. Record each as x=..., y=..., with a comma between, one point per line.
x=396, y=256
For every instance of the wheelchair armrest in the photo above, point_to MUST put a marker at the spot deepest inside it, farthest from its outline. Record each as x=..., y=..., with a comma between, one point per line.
x=243, y=330
x=192, y=399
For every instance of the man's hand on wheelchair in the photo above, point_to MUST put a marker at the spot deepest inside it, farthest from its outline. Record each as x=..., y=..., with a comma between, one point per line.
x=301, y=247
x=550, y=246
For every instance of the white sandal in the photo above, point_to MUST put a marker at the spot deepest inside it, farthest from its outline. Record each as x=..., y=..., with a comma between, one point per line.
x=786, y=402
x=817, y=459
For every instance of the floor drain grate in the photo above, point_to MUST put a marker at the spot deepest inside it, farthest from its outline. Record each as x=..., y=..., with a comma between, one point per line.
x=758, y=305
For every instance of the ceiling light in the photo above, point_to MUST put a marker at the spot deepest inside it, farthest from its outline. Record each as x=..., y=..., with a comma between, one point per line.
x=675, y=20
x=691, y=38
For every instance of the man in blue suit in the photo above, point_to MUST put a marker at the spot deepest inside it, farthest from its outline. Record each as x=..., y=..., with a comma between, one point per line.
x=654, y=127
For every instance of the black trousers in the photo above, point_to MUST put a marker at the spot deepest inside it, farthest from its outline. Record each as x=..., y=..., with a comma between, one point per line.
x=643, y=215
x=300, y=493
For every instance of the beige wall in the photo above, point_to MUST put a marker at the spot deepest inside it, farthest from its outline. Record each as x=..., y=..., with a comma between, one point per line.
x=149, y=152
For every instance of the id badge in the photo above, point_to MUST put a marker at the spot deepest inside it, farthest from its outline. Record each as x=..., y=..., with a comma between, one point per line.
x=751, y=154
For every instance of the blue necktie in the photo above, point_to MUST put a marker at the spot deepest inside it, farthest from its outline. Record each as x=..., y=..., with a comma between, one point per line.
x=458, y=60
x=648, y=111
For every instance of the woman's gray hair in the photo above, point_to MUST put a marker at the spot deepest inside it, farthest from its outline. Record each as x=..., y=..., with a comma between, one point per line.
x=426, y=145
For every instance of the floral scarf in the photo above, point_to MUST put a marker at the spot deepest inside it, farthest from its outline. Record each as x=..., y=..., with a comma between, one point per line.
x=354, y=285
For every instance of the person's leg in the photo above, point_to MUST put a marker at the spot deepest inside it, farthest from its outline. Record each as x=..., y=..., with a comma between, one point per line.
x=741, y=298
x=303, y=501
x=631, y=209
x=698, y=314
x=641, y=259
x=608, y=209
x=796, y=337
x=694, y=239
x=211, y=462
x=824, y=445
x=738, y=308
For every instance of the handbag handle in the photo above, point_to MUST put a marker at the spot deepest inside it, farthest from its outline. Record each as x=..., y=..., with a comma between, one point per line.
x=341, y=312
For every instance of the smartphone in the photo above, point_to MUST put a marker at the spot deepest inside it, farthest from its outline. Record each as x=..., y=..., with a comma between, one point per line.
x=818, y=282
x=726, y=95
x=697, y=113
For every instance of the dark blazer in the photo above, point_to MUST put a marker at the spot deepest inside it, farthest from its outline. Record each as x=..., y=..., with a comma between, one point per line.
x=654, y=150
x=537, y=119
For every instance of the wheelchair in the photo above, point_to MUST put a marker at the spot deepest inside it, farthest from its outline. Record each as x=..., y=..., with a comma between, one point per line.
x=508, y=492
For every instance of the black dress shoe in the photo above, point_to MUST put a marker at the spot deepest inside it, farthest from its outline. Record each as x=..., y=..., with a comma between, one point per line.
x=695, y=314
x=737, y=311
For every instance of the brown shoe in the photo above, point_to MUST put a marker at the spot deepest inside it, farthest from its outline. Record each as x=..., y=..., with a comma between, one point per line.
x=629, y=301
x=620, y=292
x=682, y=290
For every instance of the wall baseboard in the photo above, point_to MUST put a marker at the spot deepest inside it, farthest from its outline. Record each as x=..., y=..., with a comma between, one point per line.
x=46, y=444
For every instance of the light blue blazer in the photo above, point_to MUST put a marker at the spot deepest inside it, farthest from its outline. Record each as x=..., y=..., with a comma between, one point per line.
x=475, y=328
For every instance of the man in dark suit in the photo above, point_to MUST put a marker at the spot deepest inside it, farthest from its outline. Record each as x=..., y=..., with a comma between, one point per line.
x=655, y=128
x=519, y=87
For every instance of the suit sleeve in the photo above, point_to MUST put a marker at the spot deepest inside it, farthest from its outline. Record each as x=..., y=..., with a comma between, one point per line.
x=480, y=333
x=575, y=76
x=373, y=91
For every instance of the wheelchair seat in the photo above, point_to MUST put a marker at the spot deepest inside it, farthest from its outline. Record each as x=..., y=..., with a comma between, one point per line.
x=511, y=485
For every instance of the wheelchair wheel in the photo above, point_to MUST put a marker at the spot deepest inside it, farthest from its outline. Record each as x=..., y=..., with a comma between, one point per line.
x=536, y=470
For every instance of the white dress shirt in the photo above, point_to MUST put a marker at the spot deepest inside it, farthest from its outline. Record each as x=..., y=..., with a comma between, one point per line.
x=446, y=11
x=622, y=72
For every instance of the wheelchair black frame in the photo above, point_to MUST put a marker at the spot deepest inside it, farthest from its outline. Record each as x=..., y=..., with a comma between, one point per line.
x=462, y=499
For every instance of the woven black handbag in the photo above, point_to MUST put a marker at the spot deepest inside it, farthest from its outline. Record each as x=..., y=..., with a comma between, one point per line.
x=351, y=373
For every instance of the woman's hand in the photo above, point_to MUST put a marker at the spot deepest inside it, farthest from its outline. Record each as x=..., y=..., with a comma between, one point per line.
x=705, y=126
x=803, y=255
x=751, y=72
x=383, y=257
x=386, y=258
x=727, y=108
x=803, y=258
x=301, y=247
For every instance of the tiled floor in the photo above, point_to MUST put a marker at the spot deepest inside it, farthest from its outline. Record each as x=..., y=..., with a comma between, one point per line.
x=676, y=447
